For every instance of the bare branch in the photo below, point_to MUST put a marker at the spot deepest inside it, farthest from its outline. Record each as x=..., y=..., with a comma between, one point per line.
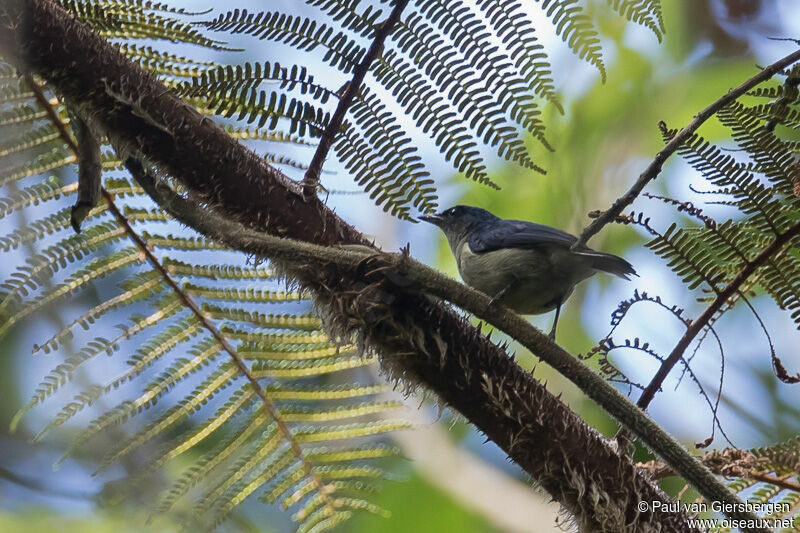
x=653, y=170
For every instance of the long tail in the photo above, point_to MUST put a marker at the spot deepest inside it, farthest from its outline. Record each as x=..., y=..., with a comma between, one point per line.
x=610, y=263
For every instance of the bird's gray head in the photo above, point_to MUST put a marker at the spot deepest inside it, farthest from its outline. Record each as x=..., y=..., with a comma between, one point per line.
x=458, y=221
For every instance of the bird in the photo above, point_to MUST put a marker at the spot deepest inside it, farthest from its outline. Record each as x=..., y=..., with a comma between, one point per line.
x=526, y=266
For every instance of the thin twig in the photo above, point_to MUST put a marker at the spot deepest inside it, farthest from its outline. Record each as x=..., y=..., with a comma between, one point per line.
x=697, y=326
x=187, y=300
x=311, y=179
x=652, y=171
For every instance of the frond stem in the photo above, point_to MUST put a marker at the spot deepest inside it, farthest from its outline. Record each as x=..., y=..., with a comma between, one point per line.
x=311, y=178
x=654, y=169
x=697, y=326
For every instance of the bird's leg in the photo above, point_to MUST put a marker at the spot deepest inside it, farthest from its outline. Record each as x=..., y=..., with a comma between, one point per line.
x=555, y=322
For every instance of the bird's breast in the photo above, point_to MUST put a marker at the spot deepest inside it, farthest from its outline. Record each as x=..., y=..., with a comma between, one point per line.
x=525, y=277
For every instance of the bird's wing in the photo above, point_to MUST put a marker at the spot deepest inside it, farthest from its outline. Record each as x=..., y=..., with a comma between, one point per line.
x=516, y=234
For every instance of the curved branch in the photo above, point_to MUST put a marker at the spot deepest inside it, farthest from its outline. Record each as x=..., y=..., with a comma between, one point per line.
x=412, y=275
x=653, y=170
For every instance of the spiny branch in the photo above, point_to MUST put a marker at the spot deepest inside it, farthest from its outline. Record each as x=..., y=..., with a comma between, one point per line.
x=420, y=277
x=311, y=178
x=703, y=320
x=653, y=170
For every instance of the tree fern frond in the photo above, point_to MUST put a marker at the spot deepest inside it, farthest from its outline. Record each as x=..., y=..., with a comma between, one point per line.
x=29, y=140
x=219, y=379
x=43, y=227
x=235, y=80
x=646, y=13
x=139, y=288
x=120, y=21
x=96, y=269
x=576, y=29
x=34, y=195
x=297, y=368
x=426, y=106
x=212, y=459
x=217, y=271
x=234, y=294
x=254, y=351
x=299, y=32
x=516, y=30
x=19, y=115
x=470, y=93
x=348, y=17
x=267, y=108
x=39, y=164
x=286, y=321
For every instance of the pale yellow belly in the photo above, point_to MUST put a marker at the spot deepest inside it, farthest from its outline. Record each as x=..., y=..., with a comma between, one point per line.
x=531, y=281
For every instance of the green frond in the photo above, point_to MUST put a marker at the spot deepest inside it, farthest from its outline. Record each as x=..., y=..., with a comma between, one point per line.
x=203, y=354
x=21, y=114
x=231, y=80
x=95, y=270
x=297, y=368
x=246, y=134
x=34, y=195
x=39, y=164
x=308, y=434
x=299, y=32
x=125, y=20
x=258, y=457
x=688, y=256
x=139, y=288
x=43, y=266
x=28, y=140
x=38, y=229
x=285, y=321
x=393, y=168
x=349, y=18
x=433, y=115
x=576, y=29
x=255, y=351
x=267, y=108
x=248, y=294
x=229, y=272
x=302, y=392
x=516, y=30
x=646, y=13
x=471, y=94
x=307, y=414
x=203, y=467
x=212, y=385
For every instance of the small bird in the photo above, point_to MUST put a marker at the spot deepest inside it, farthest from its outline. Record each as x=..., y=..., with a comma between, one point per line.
x=526, y=266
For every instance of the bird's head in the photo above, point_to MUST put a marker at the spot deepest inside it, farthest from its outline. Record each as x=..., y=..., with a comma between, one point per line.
x=459, y=221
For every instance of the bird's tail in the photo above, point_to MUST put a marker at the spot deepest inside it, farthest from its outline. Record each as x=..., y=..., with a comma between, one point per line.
x=610, y=263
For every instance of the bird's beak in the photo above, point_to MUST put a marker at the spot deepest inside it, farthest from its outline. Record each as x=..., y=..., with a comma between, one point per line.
x=433, y=219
